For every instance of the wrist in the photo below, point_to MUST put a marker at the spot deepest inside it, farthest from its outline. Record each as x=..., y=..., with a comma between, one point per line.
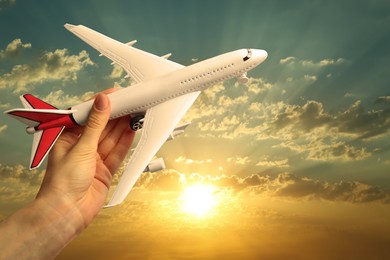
x=57, y=208
x=41, y=229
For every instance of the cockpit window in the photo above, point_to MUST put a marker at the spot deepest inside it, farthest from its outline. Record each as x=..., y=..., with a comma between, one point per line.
x=247, y=57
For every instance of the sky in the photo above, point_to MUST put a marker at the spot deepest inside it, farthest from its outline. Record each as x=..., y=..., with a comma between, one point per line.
x=294, y=164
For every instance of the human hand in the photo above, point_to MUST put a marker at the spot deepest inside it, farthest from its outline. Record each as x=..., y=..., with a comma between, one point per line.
x=80, y=167
x=75, y=186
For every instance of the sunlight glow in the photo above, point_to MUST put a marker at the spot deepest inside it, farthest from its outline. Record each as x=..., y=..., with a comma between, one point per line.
x=198, y=200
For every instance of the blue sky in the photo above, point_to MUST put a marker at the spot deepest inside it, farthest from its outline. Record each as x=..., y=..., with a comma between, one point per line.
x=314, y=118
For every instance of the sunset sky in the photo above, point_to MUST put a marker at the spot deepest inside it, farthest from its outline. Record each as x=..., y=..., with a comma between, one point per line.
x=293, y=165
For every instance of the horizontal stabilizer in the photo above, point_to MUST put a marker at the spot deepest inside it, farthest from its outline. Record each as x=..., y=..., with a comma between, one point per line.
x=33, y=117
x=42, y=144
x=34, y=113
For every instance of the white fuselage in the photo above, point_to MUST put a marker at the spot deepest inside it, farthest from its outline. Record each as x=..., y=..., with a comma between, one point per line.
x=137, y=98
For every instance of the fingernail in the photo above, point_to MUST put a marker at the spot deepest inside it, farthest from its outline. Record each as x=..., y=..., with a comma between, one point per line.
x=101, y=102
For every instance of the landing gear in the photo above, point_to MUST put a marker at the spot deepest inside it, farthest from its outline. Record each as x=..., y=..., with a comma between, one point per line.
x=137, y=122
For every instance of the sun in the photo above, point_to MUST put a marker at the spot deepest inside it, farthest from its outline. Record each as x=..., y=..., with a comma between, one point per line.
x=198, y=200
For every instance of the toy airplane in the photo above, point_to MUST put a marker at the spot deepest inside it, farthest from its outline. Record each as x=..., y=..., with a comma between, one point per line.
x=162, y=94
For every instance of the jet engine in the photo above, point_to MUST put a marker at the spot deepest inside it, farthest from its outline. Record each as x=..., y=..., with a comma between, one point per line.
x=155, y=165
x=243, y=79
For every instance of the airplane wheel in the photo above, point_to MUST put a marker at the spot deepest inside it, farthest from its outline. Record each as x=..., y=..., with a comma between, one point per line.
x=137, y=122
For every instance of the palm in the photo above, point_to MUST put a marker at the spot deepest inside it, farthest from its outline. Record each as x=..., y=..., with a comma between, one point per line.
x=84, y=173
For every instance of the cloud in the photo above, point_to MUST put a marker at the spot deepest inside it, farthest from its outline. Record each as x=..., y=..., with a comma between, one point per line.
x=307, y=117
x=18, y=184
x=3, y=128
x=286, y=185
x=6, y=3
x=220, y=106
x=239, y=160
x=354, y=121
x=336, y=151
x=183, y=159
x=288, y=60
x=289, y=185
x=20, y=173
x=4, y=106
x=117, y=72
x=256, y=86
x=212, y=93
x=363, y=125
x=13, y=49
x=278, y=163
x=309, y=63
x=321, y=151
x=308, y=128
x=310, y=78
x=61, y=100
x=167, y=180
x=327, y=62
x=302, y=72
x=349, y=95
x=243, y=114
x=51, y=66
x=383, y=99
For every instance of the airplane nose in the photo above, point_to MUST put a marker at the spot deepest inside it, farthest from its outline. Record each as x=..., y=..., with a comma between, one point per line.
x=259, y=55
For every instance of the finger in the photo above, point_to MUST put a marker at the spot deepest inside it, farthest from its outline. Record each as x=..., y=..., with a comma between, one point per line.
x=74, y=130
x=96, y=123
x=66, y=141
x=111, y=126
x=119, y=152
x=111, y=138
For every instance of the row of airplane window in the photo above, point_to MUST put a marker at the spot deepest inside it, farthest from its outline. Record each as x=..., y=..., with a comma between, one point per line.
x=206, y=74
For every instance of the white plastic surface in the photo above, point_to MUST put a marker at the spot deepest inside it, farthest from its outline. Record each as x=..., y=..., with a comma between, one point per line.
x=140, y=65
x=159, y=123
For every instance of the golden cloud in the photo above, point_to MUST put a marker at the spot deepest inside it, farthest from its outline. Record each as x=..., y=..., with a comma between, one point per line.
x=60, y=99
x=309, y=63
x=116, y=72
x=51, y=66
x=6, y=3
x=18, y=184
x=13, y=49
x=183, y=159
x=289, y=185
x=383, y=99
x=284, y=185
x=277, y=163
x=308, y=129
x=3, y=128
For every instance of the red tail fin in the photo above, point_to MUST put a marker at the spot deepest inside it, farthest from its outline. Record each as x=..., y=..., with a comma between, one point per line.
x=45, y=121
x=29, y=101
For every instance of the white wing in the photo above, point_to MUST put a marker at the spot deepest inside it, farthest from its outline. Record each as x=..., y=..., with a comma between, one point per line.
x=138, y=64
x=159, y=123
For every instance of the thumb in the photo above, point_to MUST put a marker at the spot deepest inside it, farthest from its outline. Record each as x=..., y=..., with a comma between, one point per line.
x=97, y=121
